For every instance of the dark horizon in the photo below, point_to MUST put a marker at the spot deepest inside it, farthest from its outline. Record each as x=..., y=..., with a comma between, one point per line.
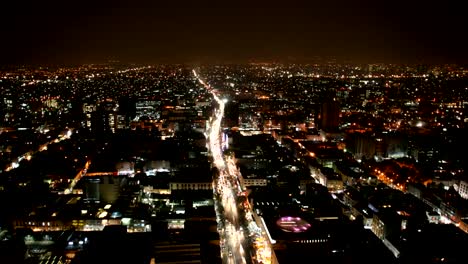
x=210, y=32
x=196, y=63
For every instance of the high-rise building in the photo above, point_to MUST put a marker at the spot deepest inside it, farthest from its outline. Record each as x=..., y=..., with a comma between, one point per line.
x=102, y=188
x=330, y=115
x=463, y=189
x=362, y=146
x=88, y=110
x=231, y=114
x=126, y=112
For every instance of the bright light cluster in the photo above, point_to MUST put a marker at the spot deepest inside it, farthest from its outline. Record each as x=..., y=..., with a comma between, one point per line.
x=293, y=224
x=228, y=188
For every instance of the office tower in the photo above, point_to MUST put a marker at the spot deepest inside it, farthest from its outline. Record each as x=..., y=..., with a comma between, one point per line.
x=330, y=115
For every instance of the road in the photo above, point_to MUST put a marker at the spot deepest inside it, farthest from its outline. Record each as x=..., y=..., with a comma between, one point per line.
x=66, y=134
x=241, y=238
x=77, y=178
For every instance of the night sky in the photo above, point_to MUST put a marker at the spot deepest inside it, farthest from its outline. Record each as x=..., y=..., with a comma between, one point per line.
x=144, y=31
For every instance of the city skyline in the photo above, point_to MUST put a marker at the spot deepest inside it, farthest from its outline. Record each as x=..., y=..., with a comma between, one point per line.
x=253, y=163
x=215, y=32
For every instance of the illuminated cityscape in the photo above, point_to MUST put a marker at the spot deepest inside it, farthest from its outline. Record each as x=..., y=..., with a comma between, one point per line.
x=252, y=163
x=259, y=132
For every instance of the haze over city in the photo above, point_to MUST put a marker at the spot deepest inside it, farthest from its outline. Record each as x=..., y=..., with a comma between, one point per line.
x=225, y=32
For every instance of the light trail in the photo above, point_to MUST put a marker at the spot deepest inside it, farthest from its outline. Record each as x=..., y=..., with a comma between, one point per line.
x=77, y=178
x=28, y=155
x=227, y=189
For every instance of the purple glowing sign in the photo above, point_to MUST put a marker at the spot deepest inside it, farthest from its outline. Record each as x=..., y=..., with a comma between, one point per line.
x=292, y=224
